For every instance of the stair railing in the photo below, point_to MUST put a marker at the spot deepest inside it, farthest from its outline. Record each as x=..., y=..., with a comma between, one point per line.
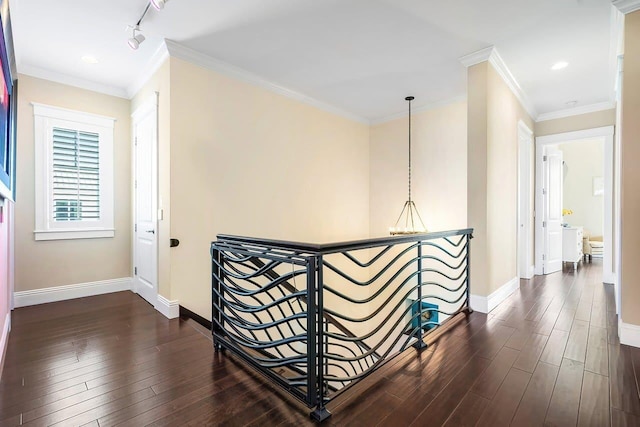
x=317, y=319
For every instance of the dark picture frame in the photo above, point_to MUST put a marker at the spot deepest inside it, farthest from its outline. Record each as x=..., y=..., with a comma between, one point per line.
x=7, y=120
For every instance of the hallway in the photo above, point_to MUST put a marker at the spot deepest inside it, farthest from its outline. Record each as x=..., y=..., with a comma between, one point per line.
x=548, y=354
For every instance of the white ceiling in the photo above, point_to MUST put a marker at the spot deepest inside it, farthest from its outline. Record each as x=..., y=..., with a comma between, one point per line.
x=360, y=56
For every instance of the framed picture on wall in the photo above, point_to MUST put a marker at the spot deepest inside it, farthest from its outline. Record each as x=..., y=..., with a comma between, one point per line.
x=7, y=121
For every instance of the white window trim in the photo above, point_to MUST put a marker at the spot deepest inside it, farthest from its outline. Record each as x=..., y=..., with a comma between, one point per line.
x=45, y=118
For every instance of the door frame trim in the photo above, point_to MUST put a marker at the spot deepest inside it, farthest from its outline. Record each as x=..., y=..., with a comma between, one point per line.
x=607, y=133
x=524, y=197
x=150, y=105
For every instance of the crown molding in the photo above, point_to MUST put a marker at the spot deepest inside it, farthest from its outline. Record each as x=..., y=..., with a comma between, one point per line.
x=627, y=6
x=477, y=57
x=179, y=51
x=419, y=109
x=491, y=55
x=155, y=62
x=42, y=73
x=576, y=111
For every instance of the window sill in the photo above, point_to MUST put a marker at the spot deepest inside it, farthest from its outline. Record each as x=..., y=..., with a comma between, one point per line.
x=73, y=234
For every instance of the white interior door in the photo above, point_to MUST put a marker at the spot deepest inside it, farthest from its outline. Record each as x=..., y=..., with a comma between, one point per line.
x=145, y=134
x=552, y=200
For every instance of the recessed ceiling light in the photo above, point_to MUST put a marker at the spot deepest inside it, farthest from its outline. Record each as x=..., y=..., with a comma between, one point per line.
x=559, y=65
x=571, y=103
x=89, y=59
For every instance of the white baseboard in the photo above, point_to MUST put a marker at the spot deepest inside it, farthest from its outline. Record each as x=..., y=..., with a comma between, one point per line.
x=80, y=290
x=629, y=334
x=170, y=309
x=486, y=304
x=5, y=337
x=609, y=278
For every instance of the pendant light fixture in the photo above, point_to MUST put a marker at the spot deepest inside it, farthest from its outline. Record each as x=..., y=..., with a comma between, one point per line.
x=409, y=221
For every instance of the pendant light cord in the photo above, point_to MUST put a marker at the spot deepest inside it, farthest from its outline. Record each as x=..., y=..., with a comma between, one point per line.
x=409, y=149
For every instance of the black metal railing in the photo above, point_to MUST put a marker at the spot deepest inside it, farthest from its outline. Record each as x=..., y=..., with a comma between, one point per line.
x=316, y=319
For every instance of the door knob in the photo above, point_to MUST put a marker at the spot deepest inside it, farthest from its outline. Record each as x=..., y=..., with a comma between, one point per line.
x=151, y=231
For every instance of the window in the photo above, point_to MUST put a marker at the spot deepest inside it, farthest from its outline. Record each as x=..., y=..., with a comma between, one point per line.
x=74, y=174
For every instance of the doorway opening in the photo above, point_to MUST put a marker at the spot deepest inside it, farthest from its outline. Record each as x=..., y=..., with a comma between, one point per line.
x=596, y=185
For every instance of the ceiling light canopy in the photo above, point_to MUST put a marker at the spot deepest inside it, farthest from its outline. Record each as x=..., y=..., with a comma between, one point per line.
x=559, y=65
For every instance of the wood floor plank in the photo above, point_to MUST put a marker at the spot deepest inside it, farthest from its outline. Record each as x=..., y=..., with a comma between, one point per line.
x=623, y=384
x=518, y=339
x=565, y=401
x=534, y=403
x=599, y=316
x=554, y=349
x=583, y=311
x=594, y=401
x=489, y=382
x=565, y=319
x=439, y=410
x=546, y=324
x=282, y=412
x=28, y=404
x=63, y=416
x=623, y=419
x=468, y=412
x=530, y=354
x=503, y=407
x=233, y=383
x=379, y=409
x=576, y=348
x=491, y=343
x=597, y=360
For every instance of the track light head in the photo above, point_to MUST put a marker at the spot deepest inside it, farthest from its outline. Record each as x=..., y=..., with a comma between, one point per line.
x=137, y=39
x=158, y=4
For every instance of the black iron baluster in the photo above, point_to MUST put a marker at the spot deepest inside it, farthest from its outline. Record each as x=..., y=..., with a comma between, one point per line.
x=320, y=413
x=420, y=343
x=312, y=383
x=216, y=259
x=469, y=237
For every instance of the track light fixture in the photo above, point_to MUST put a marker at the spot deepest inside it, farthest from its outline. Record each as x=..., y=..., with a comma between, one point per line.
x=136, y=40
x=158, y=4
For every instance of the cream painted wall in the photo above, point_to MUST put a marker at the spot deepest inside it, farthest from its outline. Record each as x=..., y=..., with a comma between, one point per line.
x=160, y=83
x=45, y=264
x=250, y=162
x=630, y=173
x=584, y=160
x=503, y=113
x=573, y=123
x=477, y=202
x=493, y=115
x=439, y=172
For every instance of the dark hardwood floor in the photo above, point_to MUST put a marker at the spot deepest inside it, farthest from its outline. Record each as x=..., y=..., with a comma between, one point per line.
x=548, y=355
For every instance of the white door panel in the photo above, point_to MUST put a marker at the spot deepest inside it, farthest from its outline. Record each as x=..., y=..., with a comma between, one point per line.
x=145, y=122
x=553, y=182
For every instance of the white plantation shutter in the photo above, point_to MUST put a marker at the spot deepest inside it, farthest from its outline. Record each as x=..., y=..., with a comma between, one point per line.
x=76, y=175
